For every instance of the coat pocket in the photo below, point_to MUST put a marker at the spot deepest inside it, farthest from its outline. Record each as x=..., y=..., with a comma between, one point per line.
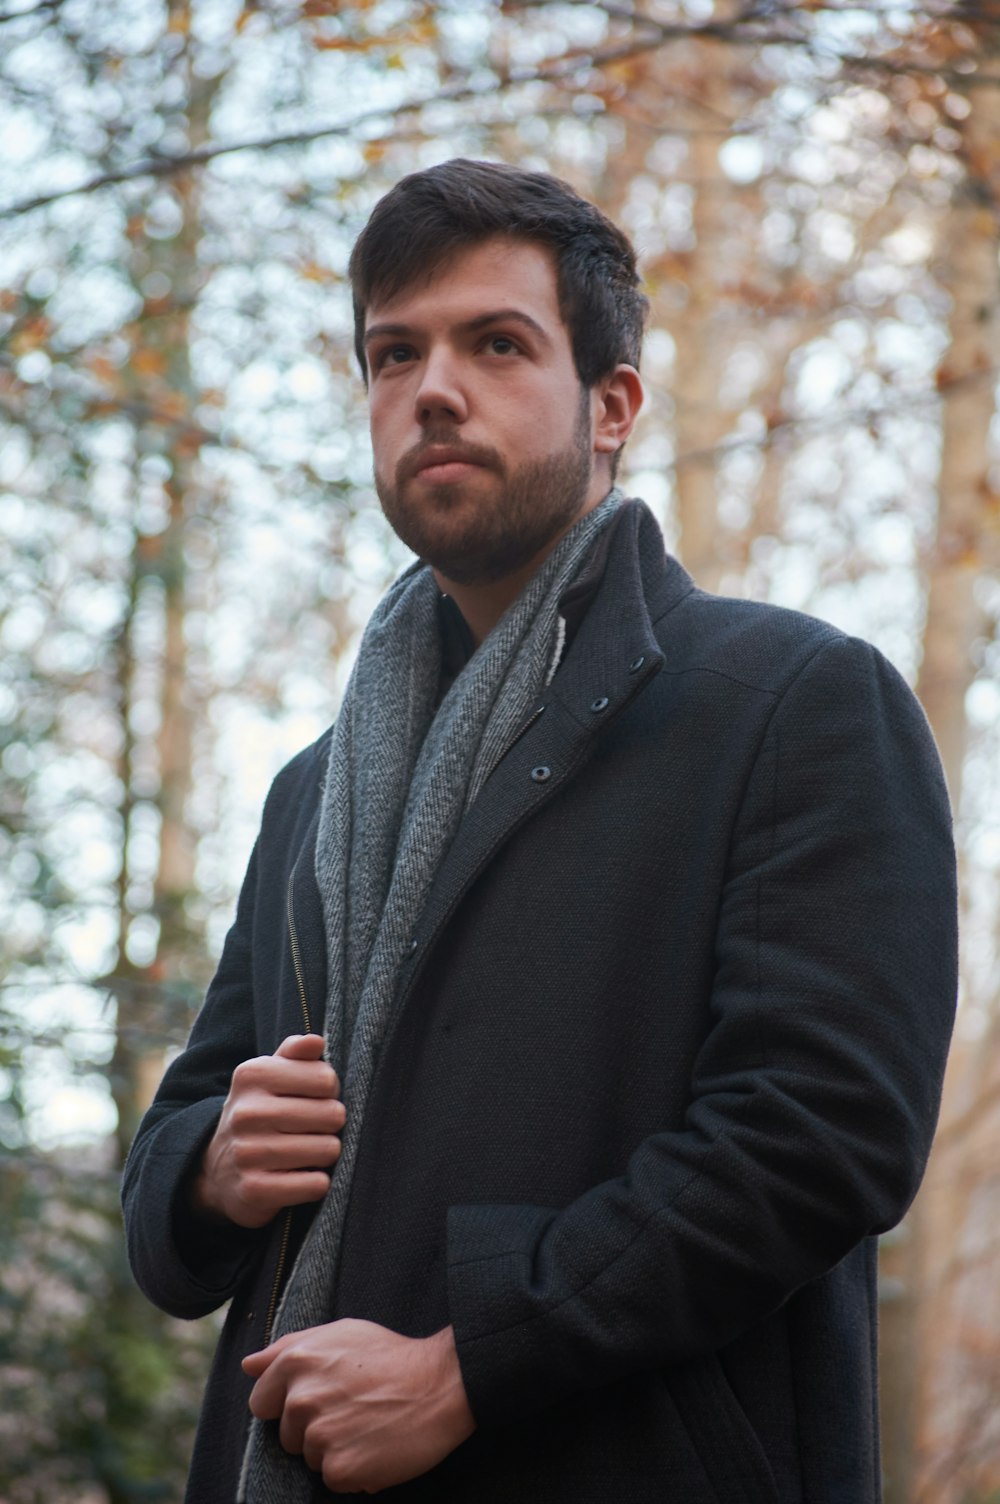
x=727, y=1445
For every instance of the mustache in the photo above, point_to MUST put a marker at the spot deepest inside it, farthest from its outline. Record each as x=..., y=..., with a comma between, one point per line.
x=440, y=438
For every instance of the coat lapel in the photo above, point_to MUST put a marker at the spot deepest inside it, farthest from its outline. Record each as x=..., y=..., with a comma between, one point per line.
x=611, y=660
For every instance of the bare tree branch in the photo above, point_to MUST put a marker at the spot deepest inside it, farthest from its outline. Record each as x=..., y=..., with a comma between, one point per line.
x=742, y=31
x=42, y=8
x=908, y=403
x=164, y=166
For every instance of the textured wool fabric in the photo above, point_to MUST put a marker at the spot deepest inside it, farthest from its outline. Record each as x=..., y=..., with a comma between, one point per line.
x=399, y=779
x=664, y=1061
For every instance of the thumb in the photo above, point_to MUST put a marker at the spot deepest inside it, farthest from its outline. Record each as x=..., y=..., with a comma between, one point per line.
x=254, y=1364
x=302, y=1047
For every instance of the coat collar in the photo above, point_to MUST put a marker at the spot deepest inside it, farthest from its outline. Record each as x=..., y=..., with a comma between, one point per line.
x=613, y=657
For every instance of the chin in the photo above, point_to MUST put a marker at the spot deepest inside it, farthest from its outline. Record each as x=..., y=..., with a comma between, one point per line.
x=479, y=561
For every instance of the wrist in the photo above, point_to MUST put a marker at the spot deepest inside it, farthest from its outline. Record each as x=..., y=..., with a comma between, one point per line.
x=203, y=1197
x=201, y=1202
x=449, y=1386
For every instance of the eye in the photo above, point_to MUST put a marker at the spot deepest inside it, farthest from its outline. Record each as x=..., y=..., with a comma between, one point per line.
x=391, y=355
x=502, y=344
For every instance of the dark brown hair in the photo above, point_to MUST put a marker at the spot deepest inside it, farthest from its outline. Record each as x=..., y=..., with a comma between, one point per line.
x=429, y=215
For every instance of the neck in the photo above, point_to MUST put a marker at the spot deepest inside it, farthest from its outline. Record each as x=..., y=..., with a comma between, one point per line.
x=483, y=603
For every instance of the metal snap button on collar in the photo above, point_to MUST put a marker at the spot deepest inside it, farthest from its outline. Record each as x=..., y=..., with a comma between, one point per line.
x=601, y=703
x=541, y=774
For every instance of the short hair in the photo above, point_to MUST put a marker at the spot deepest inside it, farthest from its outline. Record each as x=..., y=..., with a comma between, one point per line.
x=430, y=215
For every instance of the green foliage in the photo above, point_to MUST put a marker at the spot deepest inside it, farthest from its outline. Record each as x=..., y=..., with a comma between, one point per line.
x=100, y=1390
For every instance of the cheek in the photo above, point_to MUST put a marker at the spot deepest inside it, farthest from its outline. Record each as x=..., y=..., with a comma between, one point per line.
x=543, y=422
x=386, y=429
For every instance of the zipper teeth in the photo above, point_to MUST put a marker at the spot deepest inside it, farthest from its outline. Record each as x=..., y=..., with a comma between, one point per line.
x=286, y=1230
x=297, y=959
x=279, y=1270
x=533, y=717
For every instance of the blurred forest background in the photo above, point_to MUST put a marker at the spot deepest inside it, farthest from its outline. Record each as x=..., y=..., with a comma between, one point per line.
x=190, y=542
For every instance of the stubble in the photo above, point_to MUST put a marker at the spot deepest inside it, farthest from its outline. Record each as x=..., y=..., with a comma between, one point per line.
x=477, y=541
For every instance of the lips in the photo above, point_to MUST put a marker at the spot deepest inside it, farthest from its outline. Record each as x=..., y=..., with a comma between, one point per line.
x=438, y=460
x=445, y=471
x=444, y=464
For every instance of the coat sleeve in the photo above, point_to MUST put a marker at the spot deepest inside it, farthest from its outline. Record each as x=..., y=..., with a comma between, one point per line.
x=184, y=1264
x=814, y=1094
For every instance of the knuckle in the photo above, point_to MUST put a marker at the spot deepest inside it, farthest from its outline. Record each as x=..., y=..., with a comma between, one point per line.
x=317, y=1185
x=241, y=1114
x=244, y=1155
x=338, y=1473
x=255, y=1188
x=297, y=1408
x=315, y=1442
x=247, y=1072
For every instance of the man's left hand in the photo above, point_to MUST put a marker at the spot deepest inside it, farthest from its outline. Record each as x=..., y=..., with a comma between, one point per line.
x=364, y=1406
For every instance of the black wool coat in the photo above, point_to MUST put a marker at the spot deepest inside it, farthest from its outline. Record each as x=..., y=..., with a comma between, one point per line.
x=666, y=1055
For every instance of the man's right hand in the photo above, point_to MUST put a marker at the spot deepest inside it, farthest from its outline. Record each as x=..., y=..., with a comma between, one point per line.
x=278, y=1136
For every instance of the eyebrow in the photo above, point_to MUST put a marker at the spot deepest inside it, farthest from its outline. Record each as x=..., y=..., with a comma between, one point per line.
x=469, y=326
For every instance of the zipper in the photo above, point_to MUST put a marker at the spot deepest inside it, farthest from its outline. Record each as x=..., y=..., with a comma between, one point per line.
x=286, y=1230
x=293, y=938
x=533, y=717
x=272, y=1304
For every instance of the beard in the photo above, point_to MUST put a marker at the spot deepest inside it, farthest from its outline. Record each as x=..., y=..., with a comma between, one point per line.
x=476, y=540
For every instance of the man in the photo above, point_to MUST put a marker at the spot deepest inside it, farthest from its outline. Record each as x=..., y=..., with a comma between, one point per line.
x=624, y=914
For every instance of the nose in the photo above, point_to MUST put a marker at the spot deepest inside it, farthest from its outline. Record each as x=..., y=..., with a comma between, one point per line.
x=441, y=392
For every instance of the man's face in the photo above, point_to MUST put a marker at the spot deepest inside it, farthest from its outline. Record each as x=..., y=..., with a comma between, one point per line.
x=480, y=428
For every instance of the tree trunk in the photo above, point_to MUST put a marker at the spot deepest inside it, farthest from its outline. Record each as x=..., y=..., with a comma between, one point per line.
x=700, y=333
x=916, y=1282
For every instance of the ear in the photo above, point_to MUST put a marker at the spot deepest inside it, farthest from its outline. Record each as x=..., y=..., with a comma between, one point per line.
x=616, y=401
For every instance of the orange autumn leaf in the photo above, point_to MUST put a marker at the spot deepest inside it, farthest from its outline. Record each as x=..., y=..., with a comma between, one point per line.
x=171, y=407
x=32, y=333
x=147, y=362
x=347, y=44
x=104, y=369
x=314, y=272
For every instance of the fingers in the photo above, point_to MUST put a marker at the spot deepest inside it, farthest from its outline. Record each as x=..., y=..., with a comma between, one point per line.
x=272, y=1398
x=285, y=1151
x=302, y=1047
x=276, y=1141
x=313, y=1448
x=360, y=1402
x=254, y=1364
x=267, y=1397
x=280, y=1076
x=261, y=1195
x=253, y=1110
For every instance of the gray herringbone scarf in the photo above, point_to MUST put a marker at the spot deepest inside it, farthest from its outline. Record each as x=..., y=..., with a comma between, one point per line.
x=399, y=779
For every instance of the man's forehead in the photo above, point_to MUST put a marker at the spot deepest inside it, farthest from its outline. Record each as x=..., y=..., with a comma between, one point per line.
x=502, y=272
